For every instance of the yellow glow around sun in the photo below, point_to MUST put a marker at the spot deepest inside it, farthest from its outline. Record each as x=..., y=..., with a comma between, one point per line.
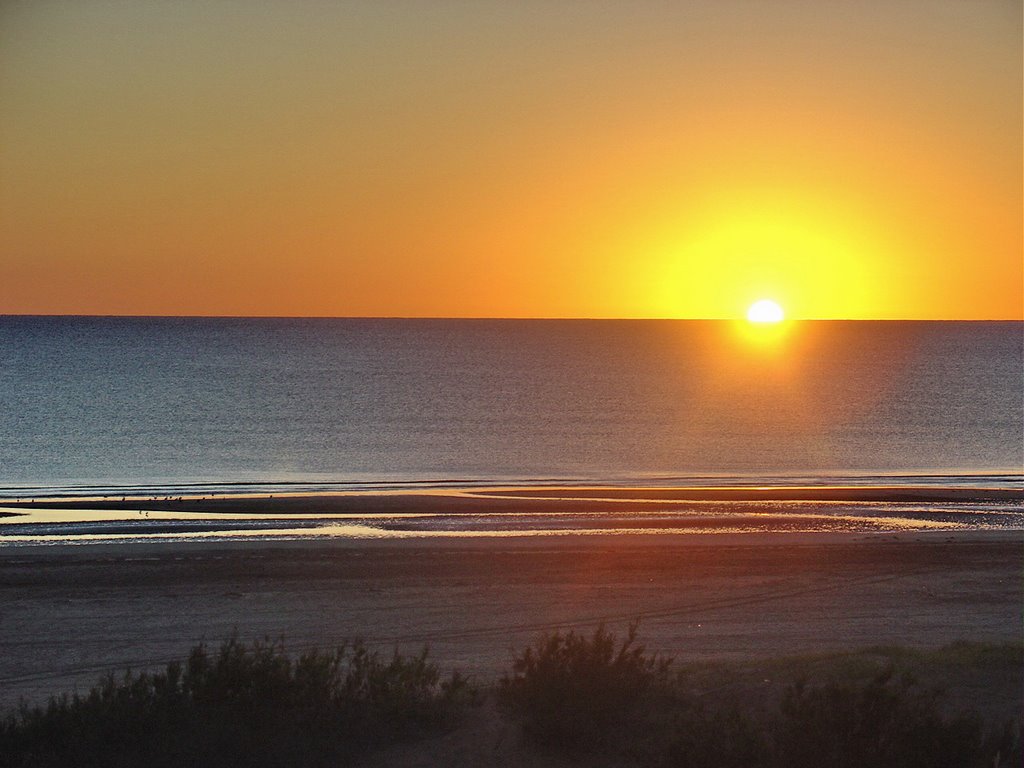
x=819, y=256
x=765, y=311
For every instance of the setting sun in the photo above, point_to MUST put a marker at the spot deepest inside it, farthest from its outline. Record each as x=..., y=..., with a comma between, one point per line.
x=765, y=311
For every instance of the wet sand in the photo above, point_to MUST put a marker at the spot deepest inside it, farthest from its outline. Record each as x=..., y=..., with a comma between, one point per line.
x=70, y=613
x=510, y=511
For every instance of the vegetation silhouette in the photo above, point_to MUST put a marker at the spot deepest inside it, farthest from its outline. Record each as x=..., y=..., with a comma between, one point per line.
x=245, y=705
x=592, y=698
x=568, y=690
x=588, y=696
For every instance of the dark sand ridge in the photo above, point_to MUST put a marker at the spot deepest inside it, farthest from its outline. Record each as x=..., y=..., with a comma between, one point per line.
x=518, y=500
x=71, y=613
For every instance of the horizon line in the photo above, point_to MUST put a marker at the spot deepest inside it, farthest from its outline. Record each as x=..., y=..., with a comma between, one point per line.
x=507, y=318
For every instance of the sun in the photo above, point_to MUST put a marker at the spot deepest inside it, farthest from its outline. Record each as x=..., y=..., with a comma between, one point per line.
x=765, y=311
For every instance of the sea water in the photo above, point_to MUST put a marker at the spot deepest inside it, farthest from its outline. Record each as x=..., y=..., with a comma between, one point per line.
x=115, y=403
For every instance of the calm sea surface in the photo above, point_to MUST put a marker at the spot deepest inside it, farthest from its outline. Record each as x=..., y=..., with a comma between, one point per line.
x=114, y=402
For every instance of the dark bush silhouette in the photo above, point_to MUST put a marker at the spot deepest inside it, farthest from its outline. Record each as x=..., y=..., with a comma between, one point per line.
x=581, y=693
x=244, y=705
x=593, y=697
x=883, y=723
x=571, y=690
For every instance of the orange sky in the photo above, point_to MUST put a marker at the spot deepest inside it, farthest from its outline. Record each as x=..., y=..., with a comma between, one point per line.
x=533, y=159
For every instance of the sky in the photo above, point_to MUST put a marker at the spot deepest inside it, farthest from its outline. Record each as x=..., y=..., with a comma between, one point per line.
x=529, y=159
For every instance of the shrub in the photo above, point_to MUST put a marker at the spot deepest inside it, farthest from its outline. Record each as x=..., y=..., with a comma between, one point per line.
x=579, y=693
x=571, y=690
x=244, y=705
x=881, y=723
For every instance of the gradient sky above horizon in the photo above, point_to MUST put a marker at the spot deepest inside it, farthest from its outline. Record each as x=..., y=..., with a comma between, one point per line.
x=530, y=159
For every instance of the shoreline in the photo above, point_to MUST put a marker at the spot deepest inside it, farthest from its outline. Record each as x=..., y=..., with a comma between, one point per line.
x=510, y=513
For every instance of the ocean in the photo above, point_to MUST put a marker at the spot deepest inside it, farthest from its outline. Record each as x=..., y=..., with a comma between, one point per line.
x=107, y=404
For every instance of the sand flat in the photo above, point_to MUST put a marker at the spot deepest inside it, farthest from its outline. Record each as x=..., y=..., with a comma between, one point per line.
x=70, y=613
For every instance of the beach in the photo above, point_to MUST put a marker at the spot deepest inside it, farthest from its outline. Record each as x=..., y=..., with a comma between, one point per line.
x=72, y=613
x=376, y=380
